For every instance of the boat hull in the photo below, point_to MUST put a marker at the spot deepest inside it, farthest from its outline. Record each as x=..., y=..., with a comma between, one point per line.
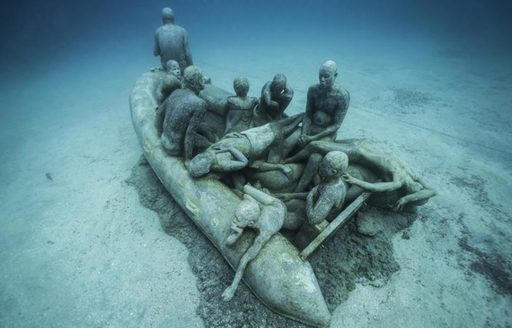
x=277, y=276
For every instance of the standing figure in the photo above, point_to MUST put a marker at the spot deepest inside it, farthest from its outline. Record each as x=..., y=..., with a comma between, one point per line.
x=275, y=97
x=326, y=108
x=240, y=108
x=184, y=111
x=259, y=211
x=171, y=42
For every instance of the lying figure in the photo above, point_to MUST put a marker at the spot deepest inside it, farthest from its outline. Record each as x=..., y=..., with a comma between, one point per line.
x=238, y=150
x=400, y=188
x=259, y=211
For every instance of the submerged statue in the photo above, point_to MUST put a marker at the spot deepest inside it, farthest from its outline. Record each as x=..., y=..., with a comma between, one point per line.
x=275, y=97
x=403, y=190
x=184, y=111
x=258, y=211
x=236, y=151
x=326, y=108
x=240, y=108
x=171, y=42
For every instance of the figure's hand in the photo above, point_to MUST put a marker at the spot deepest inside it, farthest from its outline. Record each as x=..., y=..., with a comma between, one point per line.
x=348, y=178
x=228, y=293
x=304, y=139
x=400, y=204
x=285, y=169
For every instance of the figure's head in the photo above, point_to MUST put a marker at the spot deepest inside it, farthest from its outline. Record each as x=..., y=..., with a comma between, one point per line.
x=247, y=213
x=200, y=165
x=193, y=79
x=241, y=86
x=172, y=67
x=278, y=83
x=328, y=73
x=333, y=164
x=167, y=16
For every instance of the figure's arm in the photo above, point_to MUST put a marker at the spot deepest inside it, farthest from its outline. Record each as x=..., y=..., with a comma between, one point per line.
x=250, y=255
x=239, y=160
x=306, y=121
x=265, y=166
x=188, y=55
x=190, y=134
x=373, y=187
x=266, y=96
x=258, y=195
x=319, y=210
x=286, y=97
x=423, y=194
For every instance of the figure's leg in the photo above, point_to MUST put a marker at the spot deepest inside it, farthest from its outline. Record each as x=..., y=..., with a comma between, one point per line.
x=296, y=214
x=309, y=172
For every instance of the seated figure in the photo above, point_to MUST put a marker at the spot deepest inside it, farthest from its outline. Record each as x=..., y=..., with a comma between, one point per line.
x=275, y=97
x=184, y=111
x=171, y=81
x=259, y=211
x=240, y=107
x=400, y=188
x=238, y=150
x=325, y=201
x=326, y=108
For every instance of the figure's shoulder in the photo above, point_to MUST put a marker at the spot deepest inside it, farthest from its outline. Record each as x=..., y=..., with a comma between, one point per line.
x=314, y=88
x=338, y=89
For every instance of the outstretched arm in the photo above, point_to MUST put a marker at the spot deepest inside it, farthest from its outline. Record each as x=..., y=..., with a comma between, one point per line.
x=265, y=166
x=251, y=253
x=418, y=196
x=373, y=187
x=259, y=195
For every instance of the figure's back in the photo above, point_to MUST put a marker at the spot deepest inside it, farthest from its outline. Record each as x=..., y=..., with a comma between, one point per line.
x=172, y=42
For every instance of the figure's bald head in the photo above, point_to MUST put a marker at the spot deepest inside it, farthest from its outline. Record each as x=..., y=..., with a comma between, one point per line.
x=167, y=15
x=328, y=73
x=330, y=65
x=333, y=164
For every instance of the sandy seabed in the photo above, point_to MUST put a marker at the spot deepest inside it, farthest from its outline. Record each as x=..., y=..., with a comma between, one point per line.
x=79, y=249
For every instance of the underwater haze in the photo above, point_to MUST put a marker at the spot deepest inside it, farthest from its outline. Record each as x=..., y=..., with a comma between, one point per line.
x=432, y=80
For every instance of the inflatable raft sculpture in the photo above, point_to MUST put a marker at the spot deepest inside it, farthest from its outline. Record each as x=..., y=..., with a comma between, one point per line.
x=280, y=276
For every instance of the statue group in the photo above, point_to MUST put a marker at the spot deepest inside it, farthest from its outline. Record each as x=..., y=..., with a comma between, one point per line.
x=290, y=172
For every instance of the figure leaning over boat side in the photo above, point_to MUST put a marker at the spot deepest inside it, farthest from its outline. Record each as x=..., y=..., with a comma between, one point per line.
x=184, y=111
x=276, y=95
x=238, y=150
x=240, y=108
x=326, y=108
x=401, y=189
x=171, y=42
x=259, y=211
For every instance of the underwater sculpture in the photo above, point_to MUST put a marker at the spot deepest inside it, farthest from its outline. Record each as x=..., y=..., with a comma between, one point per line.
x=275, y=98
x=171, y=42
x=268, y=261
x=326, y=107
x=240, y=108
x=259, y=211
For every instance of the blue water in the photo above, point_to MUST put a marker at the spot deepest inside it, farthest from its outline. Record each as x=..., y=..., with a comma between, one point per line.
x=433, y=79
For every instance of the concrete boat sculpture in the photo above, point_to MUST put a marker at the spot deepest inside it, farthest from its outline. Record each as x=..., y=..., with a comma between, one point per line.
x=278, y=276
